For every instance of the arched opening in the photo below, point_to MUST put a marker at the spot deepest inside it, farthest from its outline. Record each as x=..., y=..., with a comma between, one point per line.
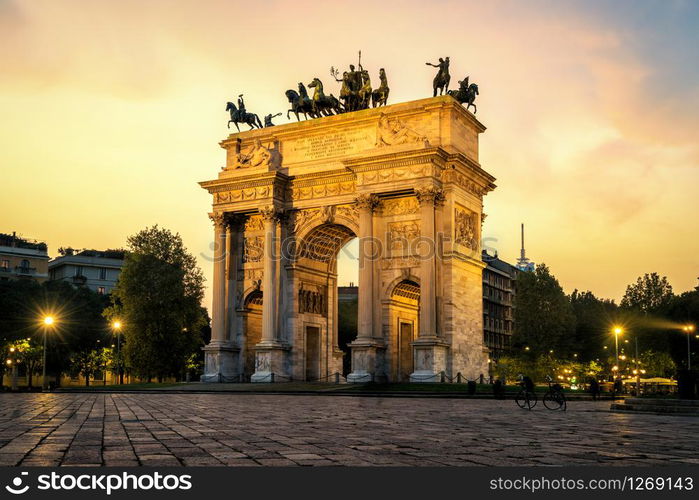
x=402, y=311
x=326, y=296
x=252, y=330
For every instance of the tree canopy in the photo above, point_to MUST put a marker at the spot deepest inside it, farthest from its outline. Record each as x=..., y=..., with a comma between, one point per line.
x=157, y=299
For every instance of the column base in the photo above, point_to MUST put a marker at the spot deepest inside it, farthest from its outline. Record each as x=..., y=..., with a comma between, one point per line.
x=367, y=361
x=430, y=356
x=270, y=363
x=220, y=363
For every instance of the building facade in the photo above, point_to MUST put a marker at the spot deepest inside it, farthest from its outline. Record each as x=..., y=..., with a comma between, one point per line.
x=21, y=258
x=399, y=178
x=499, y=285
x=94, y=269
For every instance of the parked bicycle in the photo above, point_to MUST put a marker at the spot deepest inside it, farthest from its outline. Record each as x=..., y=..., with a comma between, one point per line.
x=555, y=399
x=526, y=397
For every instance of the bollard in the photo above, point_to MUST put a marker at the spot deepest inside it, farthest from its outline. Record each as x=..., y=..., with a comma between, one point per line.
x=337, y=378
x=442, y=376
x=271, y=377
x=458, y=378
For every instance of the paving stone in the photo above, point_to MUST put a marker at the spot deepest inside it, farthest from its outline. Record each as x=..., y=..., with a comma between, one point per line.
x=197, y=430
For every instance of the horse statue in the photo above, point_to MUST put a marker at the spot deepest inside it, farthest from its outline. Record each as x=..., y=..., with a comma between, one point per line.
x=323, y=105
x=364, y=92
x=379, y=96
x=299, y=105
x=237, y=117
x=466, y=94
x=441, y=81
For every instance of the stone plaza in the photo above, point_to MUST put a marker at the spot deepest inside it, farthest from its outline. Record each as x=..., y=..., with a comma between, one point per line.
x=222, y=429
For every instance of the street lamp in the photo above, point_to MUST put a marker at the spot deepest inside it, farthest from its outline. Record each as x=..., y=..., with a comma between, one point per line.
x=48, y=321
x=688, y=330
x=116, y=325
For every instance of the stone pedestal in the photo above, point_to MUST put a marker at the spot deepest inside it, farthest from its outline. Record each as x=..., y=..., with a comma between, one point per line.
x=367, y=359
x=221, y=363
x=270, y=363
x=430, y=360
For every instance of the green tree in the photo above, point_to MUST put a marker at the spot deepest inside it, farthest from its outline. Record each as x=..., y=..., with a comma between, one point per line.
x=657, y=364
x=650, y=294
x=594, y=319
x=544, y=319
x=89, y=362
x=29, y=353
x=157, y=299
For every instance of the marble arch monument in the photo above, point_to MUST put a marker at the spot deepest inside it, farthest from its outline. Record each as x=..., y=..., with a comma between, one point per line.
x=405, y=180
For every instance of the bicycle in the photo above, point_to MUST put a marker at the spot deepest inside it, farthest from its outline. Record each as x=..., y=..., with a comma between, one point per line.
x=526, y=397
x=555, y=399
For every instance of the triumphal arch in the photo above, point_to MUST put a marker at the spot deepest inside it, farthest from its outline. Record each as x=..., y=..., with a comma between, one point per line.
x=404, y=179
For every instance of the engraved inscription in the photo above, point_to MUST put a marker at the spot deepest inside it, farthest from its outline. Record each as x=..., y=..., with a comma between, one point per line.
x=329, y=145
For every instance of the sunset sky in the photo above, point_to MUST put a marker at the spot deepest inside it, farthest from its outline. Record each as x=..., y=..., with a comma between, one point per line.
x=110, y=112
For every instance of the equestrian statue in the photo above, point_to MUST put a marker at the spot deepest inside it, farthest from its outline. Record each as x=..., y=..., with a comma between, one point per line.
x=466, y=94
x=240, y=115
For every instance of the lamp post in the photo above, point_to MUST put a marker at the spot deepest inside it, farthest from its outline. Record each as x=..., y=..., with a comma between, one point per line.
x=116, y=325
x=688, y=329
x=48, y=322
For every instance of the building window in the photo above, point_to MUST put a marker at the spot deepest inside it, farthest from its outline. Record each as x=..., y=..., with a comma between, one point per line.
x=78, y=270
x=5, y=265
x=100, y=290
x=103, y=273
x=25, y=264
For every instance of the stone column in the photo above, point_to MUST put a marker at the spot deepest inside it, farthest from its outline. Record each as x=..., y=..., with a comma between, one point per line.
x=269, y=278
x=269, y=353
x=429, y=350
x=365, y=358
x=220, y=354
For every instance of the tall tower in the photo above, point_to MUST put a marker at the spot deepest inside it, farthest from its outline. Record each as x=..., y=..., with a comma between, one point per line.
x=523, y=263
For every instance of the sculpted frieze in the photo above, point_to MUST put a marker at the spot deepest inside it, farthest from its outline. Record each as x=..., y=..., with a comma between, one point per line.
x=253, y=248
x=400, y=206
x=402, y=235
x=249, y=193
x=466, y=225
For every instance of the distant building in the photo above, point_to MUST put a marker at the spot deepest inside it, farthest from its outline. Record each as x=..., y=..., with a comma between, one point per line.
x=21, y=258
x=348, y=293
x=95, y=269
x=499, y=279
x=523, y=263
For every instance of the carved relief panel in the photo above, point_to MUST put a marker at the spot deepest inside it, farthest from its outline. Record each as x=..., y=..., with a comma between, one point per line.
x=466, y=227
x=313, y=299
x=402, y=236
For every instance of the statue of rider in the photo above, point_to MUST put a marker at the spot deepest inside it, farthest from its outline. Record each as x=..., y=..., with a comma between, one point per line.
x=241, y=108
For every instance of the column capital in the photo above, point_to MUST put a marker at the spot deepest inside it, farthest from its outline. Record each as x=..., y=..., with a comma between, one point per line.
x=219, y=219
x=429, y=196
x=367, y=201
x=270, y=213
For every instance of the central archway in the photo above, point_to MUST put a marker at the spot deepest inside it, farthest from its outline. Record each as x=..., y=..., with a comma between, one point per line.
x=316, y=302
x=401, y=311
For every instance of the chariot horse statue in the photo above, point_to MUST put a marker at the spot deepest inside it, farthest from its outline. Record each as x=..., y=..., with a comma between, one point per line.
x=299, y=104
x=323, y=105
x=379, y=96
x=242, y=117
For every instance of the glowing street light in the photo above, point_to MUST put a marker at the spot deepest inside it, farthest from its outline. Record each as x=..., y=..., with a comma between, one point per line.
x=688, y=329
x=48, y=321
x=617, y=331
x=116, y=325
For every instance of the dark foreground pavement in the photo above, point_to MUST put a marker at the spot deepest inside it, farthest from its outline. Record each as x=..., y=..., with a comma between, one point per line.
x=245, y=429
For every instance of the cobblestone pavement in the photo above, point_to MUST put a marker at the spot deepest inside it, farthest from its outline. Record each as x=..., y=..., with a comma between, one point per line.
x=274, y=430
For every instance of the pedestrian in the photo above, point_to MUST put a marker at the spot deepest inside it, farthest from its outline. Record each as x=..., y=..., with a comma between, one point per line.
x=594, y=389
